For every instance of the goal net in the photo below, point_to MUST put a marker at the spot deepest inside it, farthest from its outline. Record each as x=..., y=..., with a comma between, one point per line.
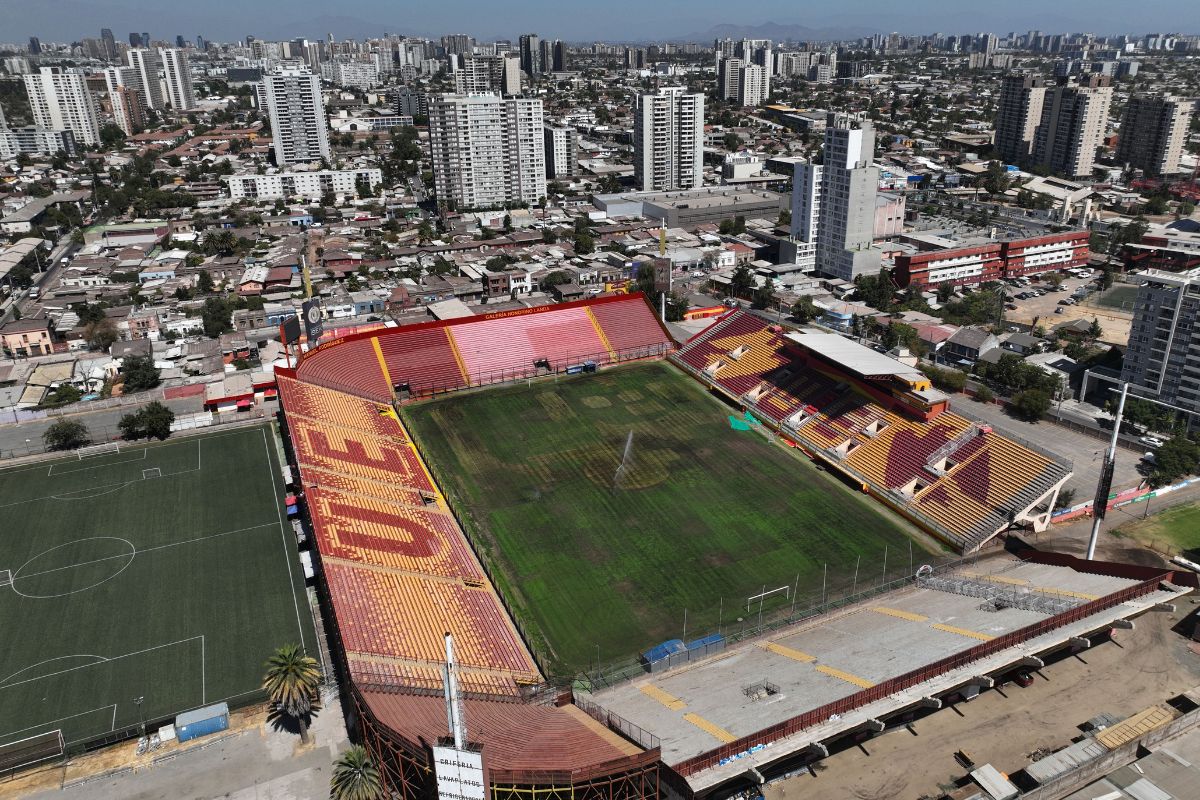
x=5, y=577
x=98, y=449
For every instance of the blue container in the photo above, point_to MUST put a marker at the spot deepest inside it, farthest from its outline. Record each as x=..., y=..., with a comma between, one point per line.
x=202, y=721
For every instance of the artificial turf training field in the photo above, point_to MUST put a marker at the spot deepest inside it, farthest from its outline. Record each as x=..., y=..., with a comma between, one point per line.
x=173, y=586
x=705, y=512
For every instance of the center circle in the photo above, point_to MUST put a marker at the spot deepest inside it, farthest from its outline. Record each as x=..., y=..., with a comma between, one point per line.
x=91, y=561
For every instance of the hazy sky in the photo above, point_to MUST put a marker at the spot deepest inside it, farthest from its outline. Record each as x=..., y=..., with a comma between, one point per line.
x=630, y=20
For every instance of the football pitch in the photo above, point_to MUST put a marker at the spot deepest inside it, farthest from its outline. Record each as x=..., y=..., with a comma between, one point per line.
x=601, y=565
x=144, y=582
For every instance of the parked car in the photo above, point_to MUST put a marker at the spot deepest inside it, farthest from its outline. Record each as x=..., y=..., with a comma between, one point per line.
x=1059, y=310
x=1151, y=441
x=1149, y=458
x=1011, y=306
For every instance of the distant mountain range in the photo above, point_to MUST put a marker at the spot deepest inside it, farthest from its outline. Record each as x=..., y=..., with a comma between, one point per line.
x=776, y=32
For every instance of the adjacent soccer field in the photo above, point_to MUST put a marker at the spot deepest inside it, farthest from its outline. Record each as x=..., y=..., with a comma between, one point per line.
x=705, y=516
x=1175, y=529
x=164, y=572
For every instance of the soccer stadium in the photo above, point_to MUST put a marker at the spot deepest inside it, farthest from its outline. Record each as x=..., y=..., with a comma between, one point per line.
x=509, y=481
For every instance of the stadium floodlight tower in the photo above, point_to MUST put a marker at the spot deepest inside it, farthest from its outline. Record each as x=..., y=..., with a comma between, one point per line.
x=1100, y=504
x=458, y=764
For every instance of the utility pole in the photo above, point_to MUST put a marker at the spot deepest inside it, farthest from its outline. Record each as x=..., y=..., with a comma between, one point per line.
x=1100, y=504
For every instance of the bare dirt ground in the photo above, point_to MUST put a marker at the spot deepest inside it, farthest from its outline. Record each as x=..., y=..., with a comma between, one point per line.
x=1003, y=727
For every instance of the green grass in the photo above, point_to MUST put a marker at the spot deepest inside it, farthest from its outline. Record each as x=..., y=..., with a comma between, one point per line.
x=1176, y=529
x=1120, y=297
x=706, y=518
x=174, y=589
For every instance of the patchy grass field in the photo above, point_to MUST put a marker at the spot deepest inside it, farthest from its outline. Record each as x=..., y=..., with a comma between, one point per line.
x=1176, y=529
x=165, y=572
x=704, y=517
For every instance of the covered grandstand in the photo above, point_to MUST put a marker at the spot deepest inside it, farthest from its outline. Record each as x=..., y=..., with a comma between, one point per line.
x=397, y=573
x=881, y=424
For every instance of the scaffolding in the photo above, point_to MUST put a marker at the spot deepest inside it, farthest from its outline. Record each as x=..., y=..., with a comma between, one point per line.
x=998, y=596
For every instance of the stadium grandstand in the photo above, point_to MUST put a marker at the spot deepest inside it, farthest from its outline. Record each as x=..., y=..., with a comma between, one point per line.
x=434, y=357
x=398, y=574
x=881, y=424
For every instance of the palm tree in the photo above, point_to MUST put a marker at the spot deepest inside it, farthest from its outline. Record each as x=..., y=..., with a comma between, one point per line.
x=355, y=777
x=291, y=682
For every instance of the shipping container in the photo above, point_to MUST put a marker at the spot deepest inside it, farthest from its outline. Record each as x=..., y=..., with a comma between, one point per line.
x=202, y=721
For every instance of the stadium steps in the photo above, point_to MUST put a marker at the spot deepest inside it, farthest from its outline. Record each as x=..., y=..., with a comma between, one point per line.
x=351, y=366
x=630, y=327
x=423, y=358
x=507, y=348
x=619, y=742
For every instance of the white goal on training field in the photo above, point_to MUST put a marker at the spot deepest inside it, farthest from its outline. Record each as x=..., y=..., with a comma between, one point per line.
x=98, y=449
x=5, y=577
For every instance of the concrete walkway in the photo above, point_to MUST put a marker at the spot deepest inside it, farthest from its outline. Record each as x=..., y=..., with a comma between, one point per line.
x=256, y=763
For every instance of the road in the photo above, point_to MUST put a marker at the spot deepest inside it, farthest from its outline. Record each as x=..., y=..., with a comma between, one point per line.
x=26, y=437
x=49, y=277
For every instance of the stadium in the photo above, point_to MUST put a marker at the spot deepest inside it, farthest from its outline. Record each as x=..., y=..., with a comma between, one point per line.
x=397, y=435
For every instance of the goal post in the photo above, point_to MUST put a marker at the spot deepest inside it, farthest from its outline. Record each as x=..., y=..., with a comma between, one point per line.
x=98, y=449
x=32, y=750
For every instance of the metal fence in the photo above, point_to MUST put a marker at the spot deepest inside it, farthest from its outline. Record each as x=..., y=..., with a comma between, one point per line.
x=882, y=690
x=633, y=667
x=100, y=434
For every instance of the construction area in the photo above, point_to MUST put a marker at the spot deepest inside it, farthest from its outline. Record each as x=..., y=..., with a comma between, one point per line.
x=775, y=705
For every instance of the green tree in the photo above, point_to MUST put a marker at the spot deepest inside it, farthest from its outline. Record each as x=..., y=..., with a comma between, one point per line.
x=140, y=373
x=1031, y=404
x=995, y=180
x=1094, y=330
x=762, y=297
x=220, y=242
x=877, y=291
x=804, y=310
x=152, y=420
x=555, y=278
x=1177, y=458
x=63, y=394
x=292, y=683
x=984, y=395
x=204, y=282
x=741, y=282
x=66, y=434
x=584, y=243
x=101, y=334
x=216, y=317
x=355, y=777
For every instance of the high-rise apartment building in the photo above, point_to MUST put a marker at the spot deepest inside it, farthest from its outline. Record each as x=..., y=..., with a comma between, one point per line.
x=560, y=56
x=297, y=111
x=1163, y=357
x=125, y=96
x=1153, y=131
x=1018, y=114
x=178, y=74
x=60, y=100
x=562, y=154
x=668, y=140
x=531, y=55
x=846, y=216
x=1074, y=118
x=806, y=213
x=148, y=64
x=487, y=150
x=743, y=82
x=35, y=46
x=483, y=74
x=109, y=43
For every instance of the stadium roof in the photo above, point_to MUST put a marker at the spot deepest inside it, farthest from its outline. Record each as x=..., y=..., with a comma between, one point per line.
x=854, y=356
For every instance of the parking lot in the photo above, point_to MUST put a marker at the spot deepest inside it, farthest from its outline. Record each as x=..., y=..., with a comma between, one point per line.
x=1044, y=311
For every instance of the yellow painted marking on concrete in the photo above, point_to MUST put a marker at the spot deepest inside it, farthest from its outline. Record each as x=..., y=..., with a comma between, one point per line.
x=600, y=333
x=458, y=359
x=383, y=364
x=862, y=683
x=669, y=700
x=997, y=578
x=1021, y=582
x=715, y=731
x=895, y=612
x=983, y=637
x=788, y=652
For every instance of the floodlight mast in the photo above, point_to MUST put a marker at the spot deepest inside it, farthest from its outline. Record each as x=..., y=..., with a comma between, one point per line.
x=455, y=719
x=1100, y=504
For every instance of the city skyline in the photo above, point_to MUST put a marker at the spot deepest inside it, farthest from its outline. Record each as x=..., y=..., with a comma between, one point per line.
x=67, y=20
